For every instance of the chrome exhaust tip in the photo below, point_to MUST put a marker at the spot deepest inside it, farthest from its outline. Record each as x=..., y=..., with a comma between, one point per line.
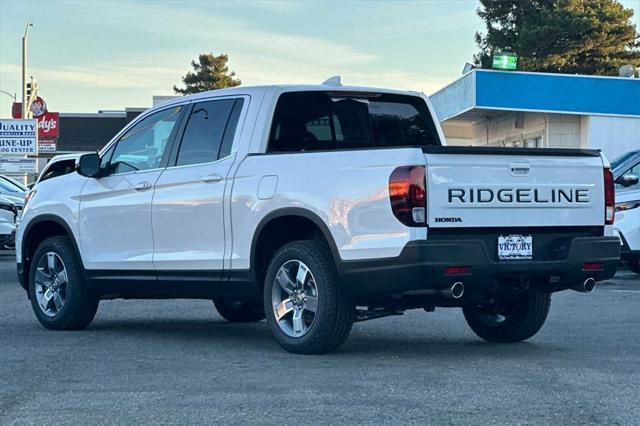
x=585, y=287
x=457, y=290
x=588, y=285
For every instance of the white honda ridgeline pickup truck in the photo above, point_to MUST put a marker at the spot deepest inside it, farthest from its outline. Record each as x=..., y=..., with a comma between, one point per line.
x=317, y=206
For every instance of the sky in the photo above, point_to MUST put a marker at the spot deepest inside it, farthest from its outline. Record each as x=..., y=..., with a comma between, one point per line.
x=107, y=55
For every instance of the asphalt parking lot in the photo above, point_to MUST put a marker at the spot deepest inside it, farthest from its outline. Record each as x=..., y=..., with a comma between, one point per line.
x=177, y=361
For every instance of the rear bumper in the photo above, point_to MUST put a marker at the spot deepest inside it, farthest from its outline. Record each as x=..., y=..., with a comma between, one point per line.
x=421, y=265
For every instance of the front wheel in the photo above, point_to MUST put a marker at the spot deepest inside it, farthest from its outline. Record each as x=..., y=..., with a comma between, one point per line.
x=59, y=297
x=510, y=320
x=307, y=311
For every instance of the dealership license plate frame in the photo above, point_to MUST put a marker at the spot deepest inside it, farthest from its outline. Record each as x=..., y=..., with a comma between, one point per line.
x=520, y=251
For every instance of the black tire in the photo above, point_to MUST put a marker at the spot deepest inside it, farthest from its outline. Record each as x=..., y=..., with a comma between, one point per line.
x=240, y=310
x=525, y=316
x=335, y=313
x=634, y=264
x=80, y=304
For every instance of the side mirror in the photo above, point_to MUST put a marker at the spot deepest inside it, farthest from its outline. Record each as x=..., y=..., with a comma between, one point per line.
x=88, y=165
x=628, y=179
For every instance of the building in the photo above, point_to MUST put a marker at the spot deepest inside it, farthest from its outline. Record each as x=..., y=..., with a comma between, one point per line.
x=91, y=131
x=523, y=109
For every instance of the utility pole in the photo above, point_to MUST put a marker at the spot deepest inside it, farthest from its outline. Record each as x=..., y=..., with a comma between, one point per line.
x=25, y=111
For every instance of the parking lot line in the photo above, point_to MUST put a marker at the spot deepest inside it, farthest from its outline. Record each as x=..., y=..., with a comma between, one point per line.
x=626, y=291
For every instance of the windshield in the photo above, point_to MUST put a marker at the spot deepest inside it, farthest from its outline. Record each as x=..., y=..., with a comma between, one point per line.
x=312, y=121
x=618, y=162
x=9, y=186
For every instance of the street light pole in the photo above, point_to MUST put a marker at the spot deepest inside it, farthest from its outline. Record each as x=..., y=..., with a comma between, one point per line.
x=25, y=113
x=15, y=98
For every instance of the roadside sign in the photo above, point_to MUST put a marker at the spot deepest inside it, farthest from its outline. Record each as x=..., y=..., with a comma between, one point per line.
x=47, y=145
x=18, y=137
x=48, y=125
x=505, y=61
x=13, y=166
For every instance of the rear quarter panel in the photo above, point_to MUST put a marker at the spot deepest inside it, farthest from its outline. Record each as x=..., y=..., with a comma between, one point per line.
x=347, y=190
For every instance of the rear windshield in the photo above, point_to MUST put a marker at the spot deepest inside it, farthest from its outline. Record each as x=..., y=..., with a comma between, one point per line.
x=312, y=121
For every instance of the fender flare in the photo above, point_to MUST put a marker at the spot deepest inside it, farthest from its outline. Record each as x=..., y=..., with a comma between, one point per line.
x=48, y=218
x=299, y=212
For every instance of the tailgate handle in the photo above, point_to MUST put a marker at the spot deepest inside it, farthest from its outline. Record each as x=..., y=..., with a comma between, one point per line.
x=519, y=169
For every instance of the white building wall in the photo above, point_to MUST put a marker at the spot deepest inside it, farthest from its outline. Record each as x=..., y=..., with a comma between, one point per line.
x=563, y=131
x=613, y=135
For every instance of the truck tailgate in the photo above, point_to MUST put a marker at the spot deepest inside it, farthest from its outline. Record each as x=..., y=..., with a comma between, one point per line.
x=473, y=189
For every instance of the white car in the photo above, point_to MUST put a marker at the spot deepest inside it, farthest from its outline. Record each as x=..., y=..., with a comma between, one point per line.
x=10, y=209
x=628, y=225
x=11, y=188
x=317, y=206
x=626, y=169
x=58, y=165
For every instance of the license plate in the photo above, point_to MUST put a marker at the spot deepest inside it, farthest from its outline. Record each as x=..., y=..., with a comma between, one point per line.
x=512, y=247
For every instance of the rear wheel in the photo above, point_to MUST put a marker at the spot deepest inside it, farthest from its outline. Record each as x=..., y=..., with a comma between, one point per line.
x=59, y=296
x=307, y=311
x=509, y=320
x=240, y=310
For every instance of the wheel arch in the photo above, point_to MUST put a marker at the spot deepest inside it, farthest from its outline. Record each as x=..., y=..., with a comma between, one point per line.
x=39, y=229
x=305, y=225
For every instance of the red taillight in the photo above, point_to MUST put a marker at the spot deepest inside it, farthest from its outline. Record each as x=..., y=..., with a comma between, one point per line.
x=609, y=197
x=28, y=196
x=457, y=270
x=408, y=195
x=592, y=266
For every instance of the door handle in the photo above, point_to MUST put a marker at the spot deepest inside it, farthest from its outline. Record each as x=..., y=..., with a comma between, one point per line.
x=143, y=186
x=212, y=178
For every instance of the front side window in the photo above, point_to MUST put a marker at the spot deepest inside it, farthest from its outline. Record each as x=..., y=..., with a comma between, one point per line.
x=311, y=121
x=209, y=131
x=143, y=146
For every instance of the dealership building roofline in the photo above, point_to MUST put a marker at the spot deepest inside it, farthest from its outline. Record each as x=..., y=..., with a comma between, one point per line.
x=525, y=109
x=479, y=92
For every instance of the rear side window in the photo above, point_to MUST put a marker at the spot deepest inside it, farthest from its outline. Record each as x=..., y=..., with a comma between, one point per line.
x=209, y=131
x=311, y=121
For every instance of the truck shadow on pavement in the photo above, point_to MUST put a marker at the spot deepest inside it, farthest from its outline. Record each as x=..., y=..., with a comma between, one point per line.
x=256, y=338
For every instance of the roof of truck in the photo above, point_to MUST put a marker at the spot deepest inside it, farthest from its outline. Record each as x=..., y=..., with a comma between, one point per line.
x=254, y=90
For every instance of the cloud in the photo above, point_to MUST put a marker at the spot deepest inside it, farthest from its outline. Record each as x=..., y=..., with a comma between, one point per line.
x=194, y=28
x=146, y=59
x=101, y=75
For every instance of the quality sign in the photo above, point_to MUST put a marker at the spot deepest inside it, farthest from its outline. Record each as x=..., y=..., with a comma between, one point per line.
x=18, y=137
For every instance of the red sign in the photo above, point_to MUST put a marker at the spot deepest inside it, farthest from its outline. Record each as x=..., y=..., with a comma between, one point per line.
x=38, y=107
x=48, y=125
x=16, y=110
x=48, y=122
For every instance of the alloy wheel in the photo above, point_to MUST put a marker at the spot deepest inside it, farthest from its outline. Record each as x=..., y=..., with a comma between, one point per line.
x=294, y=298
x=51, y=284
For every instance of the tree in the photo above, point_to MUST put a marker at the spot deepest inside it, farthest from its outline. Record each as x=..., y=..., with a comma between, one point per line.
x=209, y=73
x=563, y=36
